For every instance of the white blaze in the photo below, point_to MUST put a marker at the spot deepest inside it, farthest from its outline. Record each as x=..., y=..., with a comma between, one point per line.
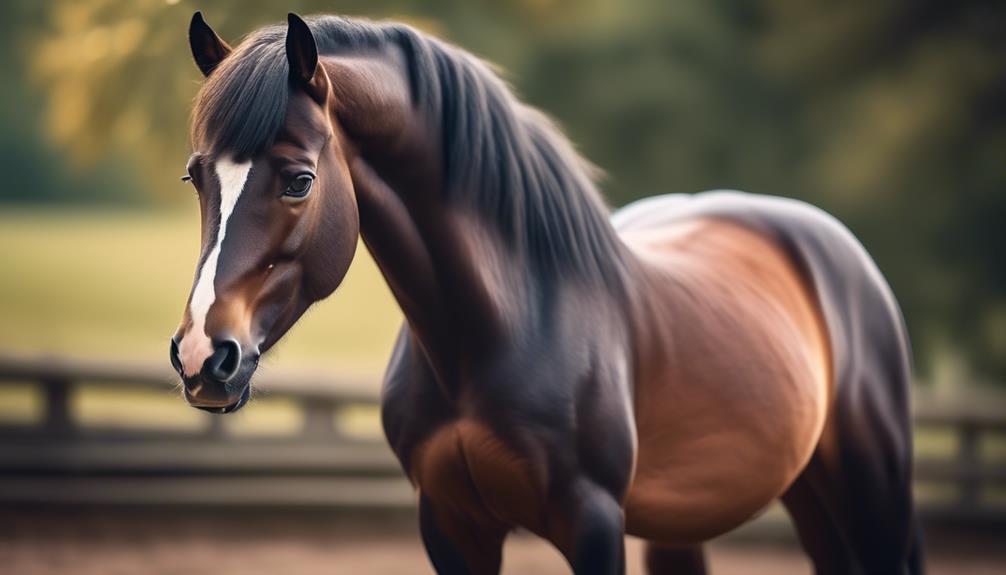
x=196, y=346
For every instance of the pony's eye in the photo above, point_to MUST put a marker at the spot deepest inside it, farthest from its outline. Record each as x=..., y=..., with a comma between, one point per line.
x=299, y=187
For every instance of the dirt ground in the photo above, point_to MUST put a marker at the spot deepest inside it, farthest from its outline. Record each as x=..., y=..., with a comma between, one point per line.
x=137, y=542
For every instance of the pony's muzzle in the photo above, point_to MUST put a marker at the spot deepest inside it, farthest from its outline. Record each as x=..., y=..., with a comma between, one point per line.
x=214, y=388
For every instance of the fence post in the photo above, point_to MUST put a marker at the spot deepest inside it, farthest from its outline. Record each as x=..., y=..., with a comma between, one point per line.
x=215, y=425
x=319, y=416
x=56, y=391
x=969, y=460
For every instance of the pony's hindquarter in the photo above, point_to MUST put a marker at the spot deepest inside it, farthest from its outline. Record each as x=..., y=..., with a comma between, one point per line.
x=852, y=504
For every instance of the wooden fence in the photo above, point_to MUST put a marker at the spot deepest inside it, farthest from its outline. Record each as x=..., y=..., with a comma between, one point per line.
x=54, y=459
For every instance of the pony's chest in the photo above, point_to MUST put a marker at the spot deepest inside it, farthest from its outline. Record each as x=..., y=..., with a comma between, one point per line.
x=466, y=465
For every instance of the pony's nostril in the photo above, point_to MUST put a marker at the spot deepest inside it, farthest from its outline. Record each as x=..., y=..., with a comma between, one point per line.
x=225, y=361
x=176, y=361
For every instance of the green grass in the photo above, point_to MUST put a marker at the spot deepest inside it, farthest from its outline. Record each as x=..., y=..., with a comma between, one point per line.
x=113, y=284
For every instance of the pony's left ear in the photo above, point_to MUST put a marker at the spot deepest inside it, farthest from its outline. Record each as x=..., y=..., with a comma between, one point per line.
x=302, y=54
x=207, y=48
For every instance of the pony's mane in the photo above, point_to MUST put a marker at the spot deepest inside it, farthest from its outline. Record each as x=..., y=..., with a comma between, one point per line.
x=503, y=159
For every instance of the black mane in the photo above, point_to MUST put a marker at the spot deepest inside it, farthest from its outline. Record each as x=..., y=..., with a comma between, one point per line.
x=502, y=158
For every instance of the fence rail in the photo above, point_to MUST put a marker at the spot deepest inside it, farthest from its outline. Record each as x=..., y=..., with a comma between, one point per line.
x=56, y=460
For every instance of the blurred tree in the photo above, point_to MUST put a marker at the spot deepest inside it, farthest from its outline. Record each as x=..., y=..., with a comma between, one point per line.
x=34, y=170
x=901, y=105
x=888, y=113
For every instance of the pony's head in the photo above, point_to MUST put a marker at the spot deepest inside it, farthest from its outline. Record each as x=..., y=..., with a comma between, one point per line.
x=279, y=213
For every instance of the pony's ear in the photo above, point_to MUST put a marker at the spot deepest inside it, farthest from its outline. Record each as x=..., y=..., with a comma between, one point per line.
x=207, y=48
x=302, y=54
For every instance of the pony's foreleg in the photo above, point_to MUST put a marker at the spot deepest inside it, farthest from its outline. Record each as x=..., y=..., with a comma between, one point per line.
x=459, y=545
x=589, y=529
x=666, y=560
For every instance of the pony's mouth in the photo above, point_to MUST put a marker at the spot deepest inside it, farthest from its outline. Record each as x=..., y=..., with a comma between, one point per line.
x=222, y=409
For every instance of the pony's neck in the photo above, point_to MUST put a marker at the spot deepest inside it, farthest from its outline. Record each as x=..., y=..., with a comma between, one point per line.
x=442, y=268
x=473, y=247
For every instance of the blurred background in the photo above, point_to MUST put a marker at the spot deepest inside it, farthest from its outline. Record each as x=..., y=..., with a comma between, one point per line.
x=891, y=114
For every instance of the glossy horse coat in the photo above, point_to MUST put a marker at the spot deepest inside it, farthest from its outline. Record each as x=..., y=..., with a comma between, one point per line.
x=667, y=371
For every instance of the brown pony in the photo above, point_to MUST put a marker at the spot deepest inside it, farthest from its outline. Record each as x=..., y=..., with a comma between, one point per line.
x=666, y=372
